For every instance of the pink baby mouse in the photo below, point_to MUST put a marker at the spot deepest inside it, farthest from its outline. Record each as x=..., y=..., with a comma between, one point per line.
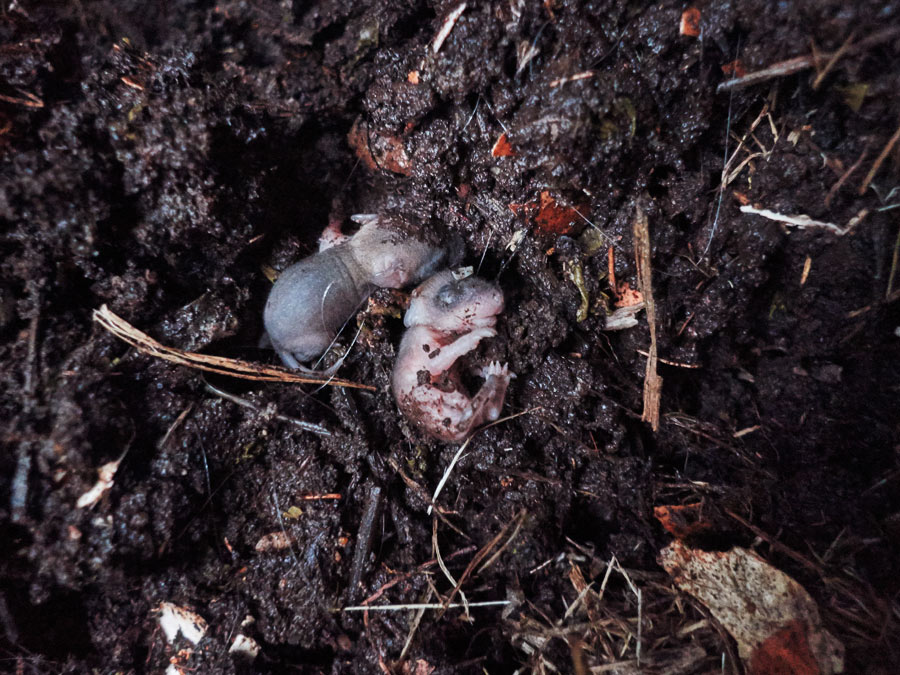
x=446, y=319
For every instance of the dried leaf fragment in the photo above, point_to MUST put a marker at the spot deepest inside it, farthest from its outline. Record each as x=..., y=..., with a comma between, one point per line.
x=734, y=68
x=502, y=148
x=104, y=482
x=274, y=541
x=854, y=95
x=575, y=272
x=244, y=646
x=174, y=619
x=625, y=295
x=553, y=218
x=772, y=618
x=623, y=317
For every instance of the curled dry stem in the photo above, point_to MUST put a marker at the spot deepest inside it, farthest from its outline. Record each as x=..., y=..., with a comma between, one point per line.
x=213, y=364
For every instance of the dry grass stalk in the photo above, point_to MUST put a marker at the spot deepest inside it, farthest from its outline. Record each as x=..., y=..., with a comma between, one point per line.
x=652, y=380
x=28, y=100
x=483, y=553
x=803, y=221
x=212, y=364
x=607, y=623
x=879, y=160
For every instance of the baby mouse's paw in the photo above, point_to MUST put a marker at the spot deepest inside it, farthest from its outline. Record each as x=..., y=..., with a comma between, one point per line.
x=494, y=369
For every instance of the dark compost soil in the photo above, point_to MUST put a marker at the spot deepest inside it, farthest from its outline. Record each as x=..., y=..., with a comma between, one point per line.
x=161, y=157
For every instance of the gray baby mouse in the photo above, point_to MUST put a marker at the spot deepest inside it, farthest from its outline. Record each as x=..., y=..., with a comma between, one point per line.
x=446, y=319
x=312, y=299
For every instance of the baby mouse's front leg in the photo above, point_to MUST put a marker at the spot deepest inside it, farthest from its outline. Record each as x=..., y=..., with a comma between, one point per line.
x=442, y=358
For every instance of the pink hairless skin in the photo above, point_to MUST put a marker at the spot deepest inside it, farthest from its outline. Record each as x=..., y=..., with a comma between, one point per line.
x=447, y=318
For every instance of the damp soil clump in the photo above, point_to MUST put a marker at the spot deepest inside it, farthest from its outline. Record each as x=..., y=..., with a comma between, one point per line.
x=169, y=163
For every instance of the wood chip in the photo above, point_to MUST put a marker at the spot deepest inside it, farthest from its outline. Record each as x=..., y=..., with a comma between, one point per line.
x=652, y=381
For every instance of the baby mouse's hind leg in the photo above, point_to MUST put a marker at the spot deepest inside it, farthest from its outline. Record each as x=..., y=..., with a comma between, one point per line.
x=488, y=402
x=291, y=362
x=288, y=359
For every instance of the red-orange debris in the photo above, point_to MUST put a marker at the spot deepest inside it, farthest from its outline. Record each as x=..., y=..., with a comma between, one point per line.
x=553, y=218
x=690, y=22
x=626, y=296
x=378, y=151
x=734, y=68
x=682, y=520
x=502, y=148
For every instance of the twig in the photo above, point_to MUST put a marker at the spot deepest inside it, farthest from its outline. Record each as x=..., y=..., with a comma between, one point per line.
x=213, y=364
x=171, y=430
x=406, y=575
x=878, y=161
x=798, y=63
x=833, y=60
x=459, y=452
x=423, y=494
x=652, y=380
x=843, y=179
x=446, y=27
x=777, y=545
x=781, y=69
x=499, y=551
x=414, y=626
x=894, y=261
x=573, y=78
x=31, y=374
x=365, y=537
x=306, y=426
x=423, y=605
x=18, y=493
x=677, y=364
x=726, y=162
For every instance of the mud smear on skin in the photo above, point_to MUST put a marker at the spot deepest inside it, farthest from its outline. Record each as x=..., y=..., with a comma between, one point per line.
x=159, y=173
